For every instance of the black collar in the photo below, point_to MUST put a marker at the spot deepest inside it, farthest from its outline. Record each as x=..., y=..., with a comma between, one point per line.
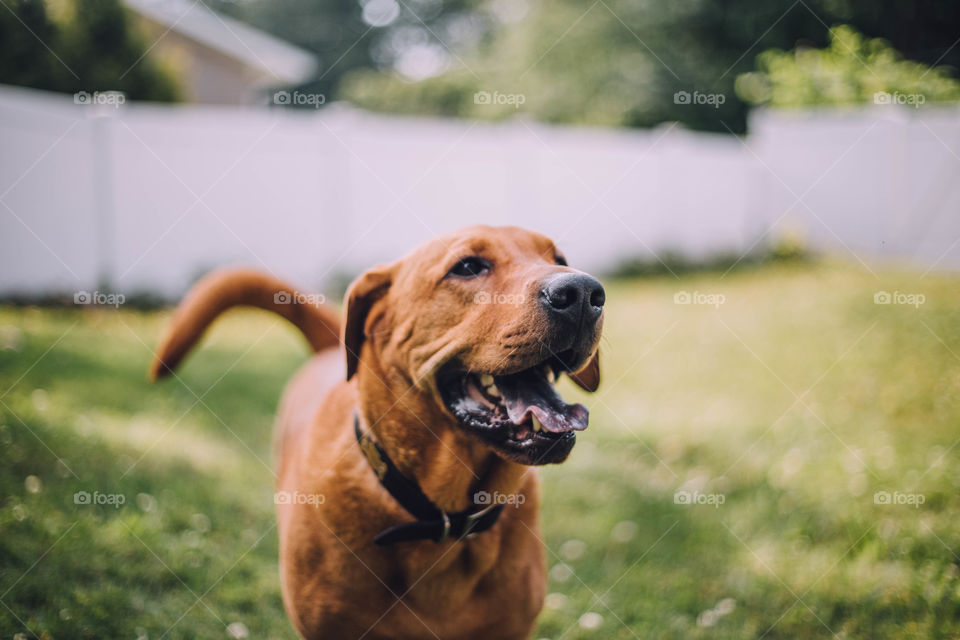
x=432, y=522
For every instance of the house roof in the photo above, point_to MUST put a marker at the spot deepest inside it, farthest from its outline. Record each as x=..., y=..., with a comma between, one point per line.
x=289, y=64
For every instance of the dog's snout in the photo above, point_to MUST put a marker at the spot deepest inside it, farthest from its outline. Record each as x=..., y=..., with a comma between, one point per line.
x=575, y=296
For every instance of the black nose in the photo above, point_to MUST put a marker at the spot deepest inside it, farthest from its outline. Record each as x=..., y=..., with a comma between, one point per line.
x=574, y=296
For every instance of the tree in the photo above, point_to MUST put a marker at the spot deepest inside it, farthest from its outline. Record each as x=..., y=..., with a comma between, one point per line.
x=91, y=47
x=348, y=34
x=629, y=63
x=24, y=28
x=852, y=69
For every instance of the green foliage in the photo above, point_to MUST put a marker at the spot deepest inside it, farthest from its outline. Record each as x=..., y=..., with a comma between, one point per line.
x=567, y=63
x=91, y=47
x=24, y=27
x=336, y=31
x=693, y=396
x=614, y=63
x=790, y=248
x=621, y=62
x=850, y=70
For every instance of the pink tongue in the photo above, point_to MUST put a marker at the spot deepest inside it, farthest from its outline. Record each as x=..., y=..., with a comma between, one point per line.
x=525, y=394
x=573, y=419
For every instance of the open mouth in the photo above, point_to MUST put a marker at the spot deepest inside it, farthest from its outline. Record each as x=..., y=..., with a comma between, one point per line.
x=520, y=414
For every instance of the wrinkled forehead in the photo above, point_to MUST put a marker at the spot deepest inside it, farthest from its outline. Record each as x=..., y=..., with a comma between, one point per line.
x=497, y=244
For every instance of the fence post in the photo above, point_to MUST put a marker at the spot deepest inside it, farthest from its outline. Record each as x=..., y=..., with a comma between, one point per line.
x=103, y=120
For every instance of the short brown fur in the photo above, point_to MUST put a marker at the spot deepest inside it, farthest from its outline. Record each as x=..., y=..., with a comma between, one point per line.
x=401, y=325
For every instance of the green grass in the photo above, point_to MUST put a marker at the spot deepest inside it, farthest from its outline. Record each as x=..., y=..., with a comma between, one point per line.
x=796, y=400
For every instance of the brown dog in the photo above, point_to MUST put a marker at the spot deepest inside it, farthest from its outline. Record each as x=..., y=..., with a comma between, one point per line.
x=445, y=401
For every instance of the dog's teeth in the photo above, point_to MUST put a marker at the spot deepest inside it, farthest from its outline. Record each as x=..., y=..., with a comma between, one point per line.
x=493, y=391
x=486, y=380
x=536, y=423
x=551, y=376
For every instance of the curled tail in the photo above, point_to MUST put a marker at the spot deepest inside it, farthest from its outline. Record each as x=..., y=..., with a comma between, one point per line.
x=221, y=290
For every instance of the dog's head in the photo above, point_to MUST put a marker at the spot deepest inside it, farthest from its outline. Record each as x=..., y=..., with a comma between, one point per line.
x=481, y=322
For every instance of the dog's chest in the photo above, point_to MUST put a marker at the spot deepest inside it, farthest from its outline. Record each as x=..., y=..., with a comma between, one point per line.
x=478, y=593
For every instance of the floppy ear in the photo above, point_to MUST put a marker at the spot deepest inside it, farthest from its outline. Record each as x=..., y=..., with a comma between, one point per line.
x=588, y=377
x=362, y=293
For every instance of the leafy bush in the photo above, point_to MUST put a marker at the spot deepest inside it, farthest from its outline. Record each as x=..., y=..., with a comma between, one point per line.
x=852, y=69
x=82, y=46
x=789, y=248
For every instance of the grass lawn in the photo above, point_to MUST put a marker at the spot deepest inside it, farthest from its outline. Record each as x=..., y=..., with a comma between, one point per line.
x=780, y=414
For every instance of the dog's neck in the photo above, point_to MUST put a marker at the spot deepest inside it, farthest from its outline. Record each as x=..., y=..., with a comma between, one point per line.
x=448, y=465
x=458, y=471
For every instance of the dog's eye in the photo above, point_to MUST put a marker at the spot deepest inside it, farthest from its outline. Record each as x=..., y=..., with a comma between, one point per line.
x=560, y=260
x=469, y=267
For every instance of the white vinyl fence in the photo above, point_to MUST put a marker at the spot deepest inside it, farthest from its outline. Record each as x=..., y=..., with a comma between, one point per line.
x=147, y=197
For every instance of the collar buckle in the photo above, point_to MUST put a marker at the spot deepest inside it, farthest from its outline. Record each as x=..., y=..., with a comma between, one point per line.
x=446, y=528
x=471, y=520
